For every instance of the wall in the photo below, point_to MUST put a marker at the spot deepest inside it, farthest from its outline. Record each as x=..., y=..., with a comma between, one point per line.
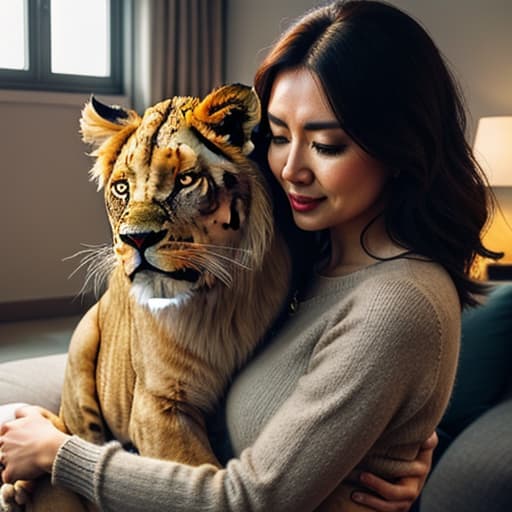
x=48, y=207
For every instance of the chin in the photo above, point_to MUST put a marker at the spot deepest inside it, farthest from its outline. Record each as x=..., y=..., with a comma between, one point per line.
x=307, y=224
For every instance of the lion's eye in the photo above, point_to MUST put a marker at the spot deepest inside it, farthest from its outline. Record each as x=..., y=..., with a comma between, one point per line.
x=186, y=179
x=120, y=189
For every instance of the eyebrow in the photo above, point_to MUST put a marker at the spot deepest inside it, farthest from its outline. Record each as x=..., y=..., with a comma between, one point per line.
x=310, y=126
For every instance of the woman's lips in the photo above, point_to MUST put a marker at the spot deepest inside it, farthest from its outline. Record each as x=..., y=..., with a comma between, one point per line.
x=304, y=203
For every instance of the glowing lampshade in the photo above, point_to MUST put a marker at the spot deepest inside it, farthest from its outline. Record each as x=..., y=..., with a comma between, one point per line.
x=493, y=149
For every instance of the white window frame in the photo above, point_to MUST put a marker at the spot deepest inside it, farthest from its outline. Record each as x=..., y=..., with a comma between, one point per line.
x=38, y=77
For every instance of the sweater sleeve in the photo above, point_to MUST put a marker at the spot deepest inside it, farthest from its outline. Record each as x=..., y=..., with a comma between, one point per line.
x=360, y=374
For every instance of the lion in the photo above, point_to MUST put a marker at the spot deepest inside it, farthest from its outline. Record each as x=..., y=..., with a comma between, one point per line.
x=198, y=274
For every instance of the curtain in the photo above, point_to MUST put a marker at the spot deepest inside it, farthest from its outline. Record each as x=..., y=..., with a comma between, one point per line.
x=178, y=49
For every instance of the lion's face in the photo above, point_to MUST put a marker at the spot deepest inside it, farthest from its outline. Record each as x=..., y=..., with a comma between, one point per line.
x=180, y=191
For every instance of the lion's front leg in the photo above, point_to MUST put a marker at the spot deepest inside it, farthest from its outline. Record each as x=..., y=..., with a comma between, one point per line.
x=167, y=429
x=80, y=409
x=13, y=497
x=48, y=498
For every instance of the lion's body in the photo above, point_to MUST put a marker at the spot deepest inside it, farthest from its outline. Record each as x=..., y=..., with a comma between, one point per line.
x=198, y=276
x=149, y=370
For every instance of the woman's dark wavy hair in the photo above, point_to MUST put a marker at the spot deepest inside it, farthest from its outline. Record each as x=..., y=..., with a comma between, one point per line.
x=393, y=94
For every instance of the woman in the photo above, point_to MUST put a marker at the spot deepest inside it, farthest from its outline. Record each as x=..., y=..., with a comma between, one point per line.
x=365, y=134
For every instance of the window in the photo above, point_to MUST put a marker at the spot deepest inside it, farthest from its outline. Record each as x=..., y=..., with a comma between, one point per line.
x=62, y=45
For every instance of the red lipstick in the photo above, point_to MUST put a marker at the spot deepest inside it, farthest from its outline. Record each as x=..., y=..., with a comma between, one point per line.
x=304, y=203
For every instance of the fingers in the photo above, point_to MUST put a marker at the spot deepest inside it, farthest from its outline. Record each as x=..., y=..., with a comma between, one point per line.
x=7, y=411
x=4, y=470
x=404, y=489
x=398, y=496
x=423, y=462
x=421, y=465
x=430, y=443
x=21, y=411
x=380, y=505
x=28, y=410
x=2, y=459
x=392, y=497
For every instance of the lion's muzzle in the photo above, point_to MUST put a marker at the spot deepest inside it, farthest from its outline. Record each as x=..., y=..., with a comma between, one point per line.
x=141, y=241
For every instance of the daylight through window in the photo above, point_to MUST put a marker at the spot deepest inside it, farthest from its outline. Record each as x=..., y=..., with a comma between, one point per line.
x=63, y=45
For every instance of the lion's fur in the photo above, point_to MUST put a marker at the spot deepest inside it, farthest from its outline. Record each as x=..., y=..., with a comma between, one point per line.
x=141, y=371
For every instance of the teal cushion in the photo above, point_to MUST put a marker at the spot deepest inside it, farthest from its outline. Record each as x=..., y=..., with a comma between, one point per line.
x=485, y=364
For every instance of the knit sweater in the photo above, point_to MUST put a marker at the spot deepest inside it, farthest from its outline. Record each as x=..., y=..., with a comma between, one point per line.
x=357, y=378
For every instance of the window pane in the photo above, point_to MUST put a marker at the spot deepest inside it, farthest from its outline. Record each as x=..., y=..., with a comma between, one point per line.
x=80, y=37
x=13, y=34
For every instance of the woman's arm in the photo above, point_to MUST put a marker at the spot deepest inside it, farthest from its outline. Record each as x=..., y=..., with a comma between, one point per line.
x=33, y=443
x=321, y=432
x=399, y=495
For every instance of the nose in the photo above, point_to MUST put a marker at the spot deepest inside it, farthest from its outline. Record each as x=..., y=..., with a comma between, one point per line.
x=141, y=241
x=296, y=167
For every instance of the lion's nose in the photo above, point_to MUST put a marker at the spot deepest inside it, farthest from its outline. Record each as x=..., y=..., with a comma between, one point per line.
x=142, y=241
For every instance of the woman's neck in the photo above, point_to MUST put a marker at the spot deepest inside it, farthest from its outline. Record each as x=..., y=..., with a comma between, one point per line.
x=347, y=252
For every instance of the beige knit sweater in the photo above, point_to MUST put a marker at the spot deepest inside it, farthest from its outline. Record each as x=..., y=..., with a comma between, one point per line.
x=358, y=377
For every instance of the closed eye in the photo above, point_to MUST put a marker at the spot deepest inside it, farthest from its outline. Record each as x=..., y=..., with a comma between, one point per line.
x=278, y=139
x=329, y=149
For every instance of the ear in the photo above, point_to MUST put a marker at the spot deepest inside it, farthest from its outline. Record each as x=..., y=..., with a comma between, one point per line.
x=100, y=121
x=231, y=111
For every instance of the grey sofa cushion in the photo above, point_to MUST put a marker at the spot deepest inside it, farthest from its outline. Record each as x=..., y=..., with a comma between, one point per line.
x=484, y=365
x=475, y=472
x=35, y=381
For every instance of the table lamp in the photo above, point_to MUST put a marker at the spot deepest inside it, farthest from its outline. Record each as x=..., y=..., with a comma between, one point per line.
x=493, y=151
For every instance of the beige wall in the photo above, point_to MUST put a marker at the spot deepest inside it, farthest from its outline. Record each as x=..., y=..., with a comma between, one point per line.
x=48, y=207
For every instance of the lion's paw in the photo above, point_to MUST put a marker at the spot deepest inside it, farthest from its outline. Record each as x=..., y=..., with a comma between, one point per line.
x=11, y=496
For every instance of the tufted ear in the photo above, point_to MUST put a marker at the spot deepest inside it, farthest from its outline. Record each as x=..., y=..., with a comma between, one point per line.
x=100, y=121
x=231, y=112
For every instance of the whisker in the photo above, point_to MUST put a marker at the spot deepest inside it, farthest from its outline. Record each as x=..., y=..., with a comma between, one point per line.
x=193, y=245
x=199, y=251
x=221, y=257
x=214, y=267
x=98, y=260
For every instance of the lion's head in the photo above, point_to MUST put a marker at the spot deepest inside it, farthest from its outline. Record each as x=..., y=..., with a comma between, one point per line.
x=187, y=207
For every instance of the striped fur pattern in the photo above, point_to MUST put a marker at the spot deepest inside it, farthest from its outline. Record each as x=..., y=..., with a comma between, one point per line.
x=198, y=276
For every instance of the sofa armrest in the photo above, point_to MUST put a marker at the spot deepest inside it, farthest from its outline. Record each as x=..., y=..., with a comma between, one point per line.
x=35, y=381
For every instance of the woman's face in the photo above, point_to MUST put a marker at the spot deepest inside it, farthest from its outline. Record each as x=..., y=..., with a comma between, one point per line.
x=330, y=181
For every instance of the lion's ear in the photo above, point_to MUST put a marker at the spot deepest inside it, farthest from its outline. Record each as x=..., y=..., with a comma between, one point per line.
x=100, y=121
x=231, y=111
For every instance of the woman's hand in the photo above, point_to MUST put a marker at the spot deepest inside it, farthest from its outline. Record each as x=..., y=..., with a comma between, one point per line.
x=400, y=495
x=28, y=445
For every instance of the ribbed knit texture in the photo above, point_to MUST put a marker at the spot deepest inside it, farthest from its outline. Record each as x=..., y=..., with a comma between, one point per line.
x=357, y=378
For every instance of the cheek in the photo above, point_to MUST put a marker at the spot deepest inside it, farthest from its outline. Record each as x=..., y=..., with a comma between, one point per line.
x=375, y=179
x=364, y=179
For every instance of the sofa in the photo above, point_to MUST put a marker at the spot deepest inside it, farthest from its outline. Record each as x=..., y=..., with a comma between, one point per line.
x=472, y=470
